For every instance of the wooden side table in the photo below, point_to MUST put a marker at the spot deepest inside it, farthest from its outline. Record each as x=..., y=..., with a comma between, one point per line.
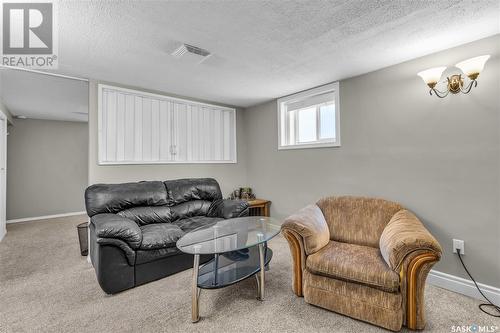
x=259, y=207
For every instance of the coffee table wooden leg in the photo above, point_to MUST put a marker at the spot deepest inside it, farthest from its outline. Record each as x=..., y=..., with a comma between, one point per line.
x=195, y=294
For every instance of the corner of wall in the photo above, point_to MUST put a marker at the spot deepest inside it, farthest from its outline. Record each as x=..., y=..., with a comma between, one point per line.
x=6, y=112
x=92, y=128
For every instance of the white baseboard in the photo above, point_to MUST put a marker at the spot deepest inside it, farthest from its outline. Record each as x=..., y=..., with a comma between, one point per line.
x=26, y=219
x=463, y=286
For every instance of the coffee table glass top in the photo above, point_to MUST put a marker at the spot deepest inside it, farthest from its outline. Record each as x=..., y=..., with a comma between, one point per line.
x=229, y=235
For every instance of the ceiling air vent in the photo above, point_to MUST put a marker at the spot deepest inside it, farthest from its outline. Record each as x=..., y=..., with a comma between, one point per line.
x=190, y=53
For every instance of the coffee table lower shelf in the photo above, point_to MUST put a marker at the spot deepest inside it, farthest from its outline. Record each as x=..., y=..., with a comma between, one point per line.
x=229, y=268
x=233, y=267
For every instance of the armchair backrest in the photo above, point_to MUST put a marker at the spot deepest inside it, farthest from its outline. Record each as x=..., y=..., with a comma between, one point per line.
x=357, y=220
x=189, y=196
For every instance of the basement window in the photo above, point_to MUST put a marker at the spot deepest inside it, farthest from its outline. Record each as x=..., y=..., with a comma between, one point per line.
x=310, y=119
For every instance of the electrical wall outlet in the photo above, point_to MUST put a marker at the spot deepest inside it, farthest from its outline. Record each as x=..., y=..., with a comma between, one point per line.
x=458, y=244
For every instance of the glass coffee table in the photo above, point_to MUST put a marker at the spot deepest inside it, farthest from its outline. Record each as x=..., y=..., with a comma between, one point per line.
x=239, y=247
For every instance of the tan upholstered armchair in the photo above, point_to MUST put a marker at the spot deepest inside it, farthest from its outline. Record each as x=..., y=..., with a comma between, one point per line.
x=364, y=258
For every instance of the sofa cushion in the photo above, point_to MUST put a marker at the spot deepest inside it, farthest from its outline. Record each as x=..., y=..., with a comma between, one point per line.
x=148, y=214
x=159, y=235
x=112, y=198
x=190, y=209
x=194, y=222
x=182, y=190
x=165, y=214
x=354, y=263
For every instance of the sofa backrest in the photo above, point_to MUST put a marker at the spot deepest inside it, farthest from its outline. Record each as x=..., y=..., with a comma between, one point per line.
x=357, y=220
x=114, y=198
x=182, y=190
x=164, y=214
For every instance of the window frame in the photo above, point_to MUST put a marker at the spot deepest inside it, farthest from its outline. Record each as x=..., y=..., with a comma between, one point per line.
x=284, y=120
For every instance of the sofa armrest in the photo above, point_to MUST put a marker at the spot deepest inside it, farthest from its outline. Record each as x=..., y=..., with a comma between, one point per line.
x=118, y=227
x=309, y=223
x=403, y=235
x=228, y=209
x=127, y=250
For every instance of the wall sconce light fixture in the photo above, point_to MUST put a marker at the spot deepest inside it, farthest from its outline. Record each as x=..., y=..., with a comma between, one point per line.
x=455, y=83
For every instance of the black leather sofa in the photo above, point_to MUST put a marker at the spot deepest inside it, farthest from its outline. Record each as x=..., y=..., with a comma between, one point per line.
x=134, y=227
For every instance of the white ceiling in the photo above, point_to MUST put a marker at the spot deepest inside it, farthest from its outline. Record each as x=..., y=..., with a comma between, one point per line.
x=40, y=96
x=261, y=50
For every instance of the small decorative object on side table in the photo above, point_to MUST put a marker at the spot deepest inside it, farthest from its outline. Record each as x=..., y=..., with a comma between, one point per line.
x=259, y=207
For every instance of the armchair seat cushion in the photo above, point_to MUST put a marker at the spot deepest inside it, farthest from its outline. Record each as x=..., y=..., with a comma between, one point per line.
x=354, y=263
x=160, y=235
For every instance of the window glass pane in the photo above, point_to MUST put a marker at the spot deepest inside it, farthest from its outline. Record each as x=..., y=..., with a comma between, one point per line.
x=327, y=121
x=309, y=118
x=307, y=125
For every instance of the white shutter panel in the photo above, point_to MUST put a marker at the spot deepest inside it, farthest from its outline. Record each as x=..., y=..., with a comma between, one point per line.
x=226, y=128
x=180, y=132
x=101, y=127
x=218, y=135
x=165, y=131
x=120, y=127
x=111, y=127
x=138, y=129
x=129, y=131
x=155, y=130
x=147, y=124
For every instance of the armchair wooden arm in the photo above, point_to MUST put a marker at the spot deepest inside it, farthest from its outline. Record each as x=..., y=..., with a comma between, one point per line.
x=306, y=232
x=415, y=271
x=408, y=247
x=298, y=258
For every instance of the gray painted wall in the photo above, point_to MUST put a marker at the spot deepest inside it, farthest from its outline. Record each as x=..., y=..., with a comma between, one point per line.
x=438, y=157
x=47, y=163
x=228, y=175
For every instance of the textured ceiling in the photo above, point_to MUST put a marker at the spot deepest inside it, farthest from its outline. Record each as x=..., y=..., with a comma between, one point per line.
x=261, y=50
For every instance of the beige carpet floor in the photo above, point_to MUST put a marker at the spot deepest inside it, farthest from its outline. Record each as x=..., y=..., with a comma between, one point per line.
x=46, y=286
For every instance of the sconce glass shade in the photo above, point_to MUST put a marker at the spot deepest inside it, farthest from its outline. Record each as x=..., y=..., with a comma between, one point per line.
x=473, y=66
x=432, y=75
